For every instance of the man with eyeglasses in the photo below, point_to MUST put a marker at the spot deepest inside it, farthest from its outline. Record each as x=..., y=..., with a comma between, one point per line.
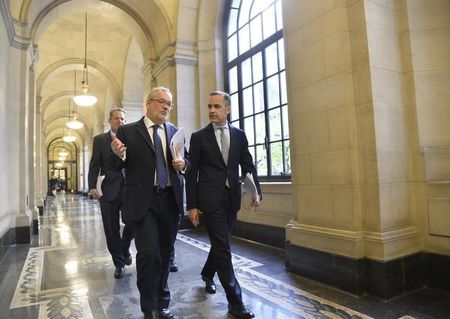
x=153, y=197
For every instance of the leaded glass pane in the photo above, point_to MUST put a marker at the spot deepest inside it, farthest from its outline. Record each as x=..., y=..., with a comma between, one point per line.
x=259, y=6
x=275, y=124
x=269, y=26
x=276, y=155
x=279, y=15
x=233, y=79
x=287, y=157
x=273, y=91
x=246, y=72
x=285, y=122
x=281, y=54
x=244, y=39
x=244, y=13
x=232, y=48
x=248, y=101
x=234, y=107
x=260, y=128
x=236, y=4
x=257, y=67
x=271, y=59
x=232, y=23
x=283, y=87
x=261, y=160
x=249, y=130
x=256, y=31
x=258, y=97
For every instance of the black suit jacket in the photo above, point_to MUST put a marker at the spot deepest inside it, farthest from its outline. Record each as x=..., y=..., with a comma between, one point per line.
x=101, y=150
x=207, y=175
x=140, y=163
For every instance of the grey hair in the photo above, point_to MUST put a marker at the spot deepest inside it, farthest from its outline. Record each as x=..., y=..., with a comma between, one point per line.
x=155, y=90
x=226, y=97
x=117, y=109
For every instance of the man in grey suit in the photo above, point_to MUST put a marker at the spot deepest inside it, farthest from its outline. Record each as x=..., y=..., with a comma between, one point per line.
x=153, y=196
x=111, y=201
x=213, y=187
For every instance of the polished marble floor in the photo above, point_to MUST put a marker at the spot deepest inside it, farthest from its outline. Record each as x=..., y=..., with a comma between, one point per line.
x=67, y=273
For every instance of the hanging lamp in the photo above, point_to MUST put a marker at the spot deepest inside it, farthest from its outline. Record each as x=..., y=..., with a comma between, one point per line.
x=85, y=99
x=68, y=138
x=73, y=122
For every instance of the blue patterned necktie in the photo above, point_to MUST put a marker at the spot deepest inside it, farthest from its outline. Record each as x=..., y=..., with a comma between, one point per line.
x=161, y=171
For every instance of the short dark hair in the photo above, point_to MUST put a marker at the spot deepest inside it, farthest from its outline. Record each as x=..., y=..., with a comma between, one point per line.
x=226, y=97
x=117, y=109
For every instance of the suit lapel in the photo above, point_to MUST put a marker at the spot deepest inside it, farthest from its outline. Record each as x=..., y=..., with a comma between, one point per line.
x=143, y=132
x=170, y=131
x=210, y=134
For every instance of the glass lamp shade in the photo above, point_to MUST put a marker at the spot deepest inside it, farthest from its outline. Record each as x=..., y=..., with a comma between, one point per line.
x=85, y=100
x=69, y=138
x=74, y=124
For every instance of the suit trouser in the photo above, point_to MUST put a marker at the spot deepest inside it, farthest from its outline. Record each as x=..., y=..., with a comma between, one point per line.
x=218, y=224
x=154, y=240
x=118, y=246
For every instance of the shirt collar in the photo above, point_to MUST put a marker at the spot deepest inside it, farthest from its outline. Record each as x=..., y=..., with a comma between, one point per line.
x=215, y=126
x=149, y=123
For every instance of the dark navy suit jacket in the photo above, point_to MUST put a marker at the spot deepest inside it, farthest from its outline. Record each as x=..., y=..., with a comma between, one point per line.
x=101, y=150
x=206, y=178
x=140, y=163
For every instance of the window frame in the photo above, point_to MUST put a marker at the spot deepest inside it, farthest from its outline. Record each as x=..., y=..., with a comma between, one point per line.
x=237, y=62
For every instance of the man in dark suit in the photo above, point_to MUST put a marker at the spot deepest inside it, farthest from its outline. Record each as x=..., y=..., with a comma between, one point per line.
x=153, y=197
x=213, y=187
x=111, y=201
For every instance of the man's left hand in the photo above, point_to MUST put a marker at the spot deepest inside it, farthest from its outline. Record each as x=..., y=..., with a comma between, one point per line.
x=178, y=164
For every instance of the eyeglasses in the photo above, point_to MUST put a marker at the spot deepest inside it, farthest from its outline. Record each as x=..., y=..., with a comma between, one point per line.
x=170, y=105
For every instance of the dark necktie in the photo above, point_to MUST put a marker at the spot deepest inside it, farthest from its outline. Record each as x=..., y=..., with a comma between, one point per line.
x=161, y=171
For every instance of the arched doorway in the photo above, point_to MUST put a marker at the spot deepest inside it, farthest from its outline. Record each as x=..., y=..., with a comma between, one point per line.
x=62, y=174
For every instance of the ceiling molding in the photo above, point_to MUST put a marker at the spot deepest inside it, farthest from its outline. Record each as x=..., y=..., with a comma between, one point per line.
x=15, y=41
x=104, y=73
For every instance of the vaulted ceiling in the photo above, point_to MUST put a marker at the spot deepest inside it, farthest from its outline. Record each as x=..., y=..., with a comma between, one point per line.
x=122, y=38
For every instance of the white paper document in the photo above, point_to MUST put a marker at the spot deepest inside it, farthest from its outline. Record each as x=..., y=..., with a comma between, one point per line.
x=249, y=187
x=98, y=186
x=177, y=144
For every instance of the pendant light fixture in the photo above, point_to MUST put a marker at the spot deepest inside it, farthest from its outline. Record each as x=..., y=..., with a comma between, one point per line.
x=73, y=123
x=68, y=138
x=85, y=99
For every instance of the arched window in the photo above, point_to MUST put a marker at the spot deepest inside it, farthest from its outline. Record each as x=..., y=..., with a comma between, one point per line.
x=256, y=80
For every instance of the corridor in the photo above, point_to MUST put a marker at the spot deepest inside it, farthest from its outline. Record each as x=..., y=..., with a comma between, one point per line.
x=67, y=272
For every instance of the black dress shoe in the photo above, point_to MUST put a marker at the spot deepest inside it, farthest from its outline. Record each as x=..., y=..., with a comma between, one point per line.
x=128, y=260
x=210, y=286
x=165, y=313
x=151, y=315
x=173, y=267
x=240, y=311
x=119, y=272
